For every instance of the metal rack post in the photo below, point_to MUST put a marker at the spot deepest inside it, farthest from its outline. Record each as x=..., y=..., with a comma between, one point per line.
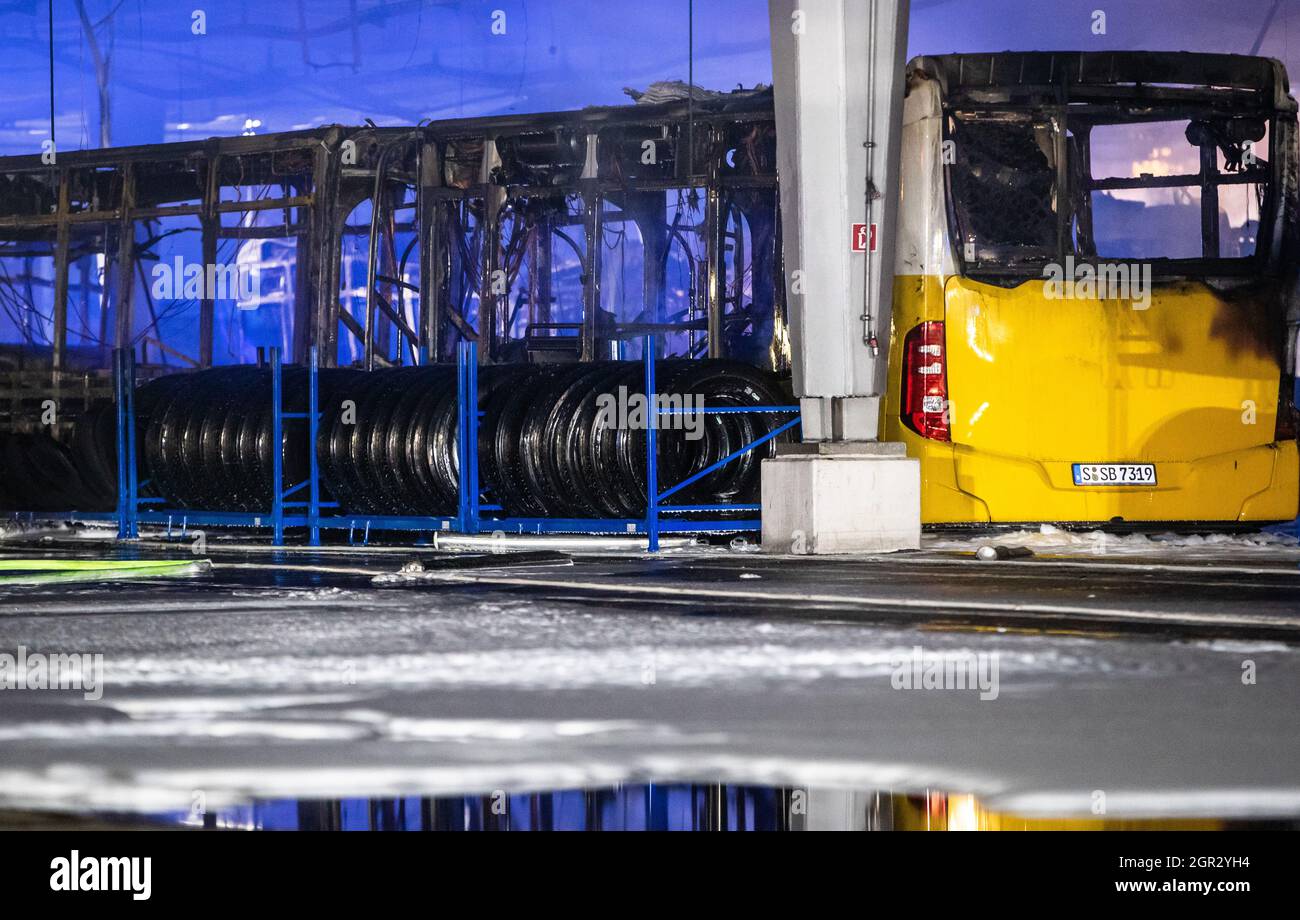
x=119, y=402
x=472, y=416
x=277, y=451
x=313, y=434
x=651, y=447
x=128, y=526
x=132, y=468
x=468, y=504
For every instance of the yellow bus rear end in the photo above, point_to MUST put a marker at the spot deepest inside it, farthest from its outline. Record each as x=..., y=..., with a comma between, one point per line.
x=1119, y=358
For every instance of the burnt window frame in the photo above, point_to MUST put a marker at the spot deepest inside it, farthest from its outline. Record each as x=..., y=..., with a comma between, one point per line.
x=1122, y=104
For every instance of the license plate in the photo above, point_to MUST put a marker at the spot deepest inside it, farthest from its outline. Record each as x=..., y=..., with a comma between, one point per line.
x=1114, y=474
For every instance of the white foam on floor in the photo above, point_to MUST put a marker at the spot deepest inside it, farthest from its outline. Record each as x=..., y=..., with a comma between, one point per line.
x=1048, y=539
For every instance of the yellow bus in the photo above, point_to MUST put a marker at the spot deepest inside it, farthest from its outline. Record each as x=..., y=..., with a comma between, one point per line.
x=1092, y=287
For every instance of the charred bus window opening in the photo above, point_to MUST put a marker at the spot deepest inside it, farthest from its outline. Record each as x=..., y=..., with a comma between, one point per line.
x=1184, y=176
x=1007, y=208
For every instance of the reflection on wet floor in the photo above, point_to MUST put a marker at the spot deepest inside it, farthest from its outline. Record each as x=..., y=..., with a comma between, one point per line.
x=653, y=807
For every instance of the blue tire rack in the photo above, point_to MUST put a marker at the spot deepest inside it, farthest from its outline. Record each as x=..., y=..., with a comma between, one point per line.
x=290, y=510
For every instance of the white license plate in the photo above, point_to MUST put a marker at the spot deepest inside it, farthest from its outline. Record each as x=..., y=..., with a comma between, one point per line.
x=1114, y=474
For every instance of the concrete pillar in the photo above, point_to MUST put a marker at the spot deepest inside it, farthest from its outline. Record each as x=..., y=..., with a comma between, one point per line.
x=838, y=69
x=833, y=498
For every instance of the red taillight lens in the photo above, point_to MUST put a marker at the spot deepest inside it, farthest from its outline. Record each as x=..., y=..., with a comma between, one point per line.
x=1286, y=411
x=925, y=382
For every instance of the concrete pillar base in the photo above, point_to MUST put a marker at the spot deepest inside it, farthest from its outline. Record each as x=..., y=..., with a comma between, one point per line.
x=837, y=498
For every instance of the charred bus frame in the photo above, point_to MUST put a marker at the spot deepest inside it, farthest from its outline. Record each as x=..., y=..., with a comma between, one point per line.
x=471, y=200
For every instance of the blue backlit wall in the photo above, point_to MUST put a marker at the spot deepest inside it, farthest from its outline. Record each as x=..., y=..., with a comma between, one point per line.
x=172, y=72
x=274, y=65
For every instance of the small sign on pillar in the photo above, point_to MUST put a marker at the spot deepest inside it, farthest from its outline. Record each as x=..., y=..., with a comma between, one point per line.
x=863, y=238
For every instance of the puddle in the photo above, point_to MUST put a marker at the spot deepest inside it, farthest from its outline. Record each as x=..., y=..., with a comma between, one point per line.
x=641, y=807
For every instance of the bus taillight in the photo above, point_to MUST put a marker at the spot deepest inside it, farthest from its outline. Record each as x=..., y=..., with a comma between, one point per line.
x=925, y=382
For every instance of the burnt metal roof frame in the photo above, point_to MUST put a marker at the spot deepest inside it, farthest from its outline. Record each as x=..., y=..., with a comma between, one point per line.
x=1158, y=74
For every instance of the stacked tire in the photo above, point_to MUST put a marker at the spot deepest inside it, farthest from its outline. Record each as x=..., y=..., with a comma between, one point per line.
x=548, y=446
x=548, y=443
x=41, y=473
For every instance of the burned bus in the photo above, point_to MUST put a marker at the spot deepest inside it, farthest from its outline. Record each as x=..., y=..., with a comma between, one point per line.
x=1094, y=270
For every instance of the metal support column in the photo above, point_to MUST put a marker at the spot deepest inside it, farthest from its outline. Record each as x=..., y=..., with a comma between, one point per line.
x=119, y=402
x=491, y=308
x=277, y=451
x=593, y=205
x=714, y=228
x=60, y=313
x=210, y=227
x=471, y=438
x=128, y=527
x=839, y=75
x=432, y=273
x=132, y=468
x=125, y=266
x=467, y=512
x=651, y=448
x=839, y=80
x=323, y=274
x=313, y=433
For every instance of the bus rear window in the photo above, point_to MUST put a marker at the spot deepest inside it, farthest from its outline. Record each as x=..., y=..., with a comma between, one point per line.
x=1175, y=190
x=1004, y=189
x=1163, y=224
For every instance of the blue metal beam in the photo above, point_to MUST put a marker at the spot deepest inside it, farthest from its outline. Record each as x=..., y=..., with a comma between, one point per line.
x=727, y=459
